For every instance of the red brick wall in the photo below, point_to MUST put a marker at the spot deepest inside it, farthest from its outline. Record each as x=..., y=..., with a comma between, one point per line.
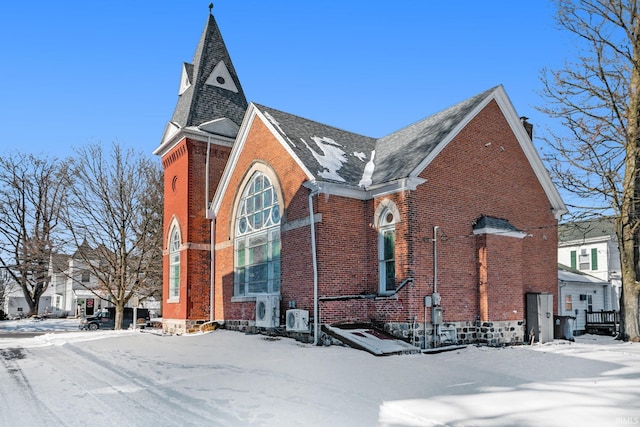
x=295, y=254
x=469, y=178
x=482, y=171
x=501, y=286
x=185, y=171
x=176, y=182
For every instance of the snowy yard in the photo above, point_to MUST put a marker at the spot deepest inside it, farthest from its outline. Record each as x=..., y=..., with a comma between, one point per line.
x=225, y=378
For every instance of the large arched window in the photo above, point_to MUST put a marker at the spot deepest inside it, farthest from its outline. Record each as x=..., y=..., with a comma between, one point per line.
x=386, y=251
x=257, y=238
x=174, y=264
x=386, y=219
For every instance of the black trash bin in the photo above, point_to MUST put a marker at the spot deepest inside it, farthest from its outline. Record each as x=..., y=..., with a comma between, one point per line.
x=563, y=327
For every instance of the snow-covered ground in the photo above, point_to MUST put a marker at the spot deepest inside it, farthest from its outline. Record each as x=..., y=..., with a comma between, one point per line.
x=137, y=378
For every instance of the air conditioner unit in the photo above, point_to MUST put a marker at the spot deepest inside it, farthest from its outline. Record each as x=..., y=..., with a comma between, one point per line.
x=268, y=311
x=297, y=321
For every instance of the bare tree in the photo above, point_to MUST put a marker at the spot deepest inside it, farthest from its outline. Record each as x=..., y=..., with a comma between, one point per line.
x=32, y=193
x=597, y=99
x=115, y=208
x=6, y=286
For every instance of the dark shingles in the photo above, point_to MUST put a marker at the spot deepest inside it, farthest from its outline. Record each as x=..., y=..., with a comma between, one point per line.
x=494, y=223
x=581, y=230
x=299, y=134
x=396, y=155
x=401, y=152
x=201, y=102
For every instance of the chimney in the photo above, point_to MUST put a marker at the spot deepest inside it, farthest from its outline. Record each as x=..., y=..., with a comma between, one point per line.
x=527, y=126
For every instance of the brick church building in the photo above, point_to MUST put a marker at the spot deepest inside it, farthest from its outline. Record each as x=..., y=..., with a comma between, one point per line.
x=435, y=232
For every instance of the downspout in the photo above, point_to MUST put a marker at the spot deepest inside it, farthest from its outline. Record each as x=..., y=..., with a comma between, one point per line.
x=206, y=176
x=435, y=259
x=436, y=298
x=211, y=234
x=315, y=268
x=213, y=266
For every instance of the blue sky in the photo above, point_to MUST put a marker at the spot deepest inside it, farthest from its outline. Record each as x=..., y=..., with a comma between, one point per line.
x=80, y=72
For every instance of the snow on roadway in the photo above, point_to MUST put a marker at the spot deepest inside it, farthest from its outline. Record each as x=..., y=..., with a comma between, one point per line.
x=226, y=378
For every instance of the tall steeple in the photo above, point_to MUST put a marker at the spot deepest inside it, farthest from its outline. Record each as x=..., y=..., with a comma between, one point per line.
x=209, y=86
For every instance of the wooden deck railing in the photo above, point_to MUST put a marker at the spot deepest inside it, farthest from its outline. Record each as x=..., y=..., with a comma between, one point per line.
x=602, y=321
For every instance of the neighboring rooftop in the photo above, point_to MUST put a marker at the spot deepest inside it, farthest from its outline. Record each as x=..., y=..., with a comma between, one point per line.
x=568, y=274
x=587, y=229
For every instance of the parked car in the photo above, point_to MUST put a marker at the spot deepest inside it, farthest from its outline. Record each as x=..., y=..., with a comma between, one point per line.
x=105, y=319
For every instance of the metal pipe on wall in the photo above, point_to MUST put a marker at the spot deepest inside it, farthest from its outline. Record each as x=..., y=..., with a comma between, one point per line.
x=315, y=269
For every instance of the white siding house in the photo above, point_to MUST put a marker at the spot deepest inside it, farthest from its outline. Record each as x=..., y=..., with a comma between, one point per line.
x=578, y=293
x=591, y=247
x=73, y=289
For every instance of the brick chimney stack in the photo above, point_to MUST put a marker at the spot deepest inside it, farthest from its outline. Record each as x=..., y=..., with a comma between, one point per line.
x=527, y=126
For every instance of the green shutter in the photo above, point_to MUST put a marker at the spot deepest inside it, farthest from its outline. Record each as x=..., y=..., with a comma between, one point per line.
x=574, y=264
x=594, y=259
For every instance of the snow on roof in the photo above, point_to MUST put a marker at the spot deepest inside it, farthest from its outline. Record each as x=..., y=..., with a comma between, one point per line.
x=567, y=274
x=396, y=155
x=277, y=125
x=360, y=155
x=367, y=176
x=331, y=159
x=329, y=153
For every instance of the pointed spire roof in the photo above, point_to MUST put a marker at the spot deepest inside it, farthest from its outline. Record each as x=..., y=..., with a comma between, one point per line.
x=209, y=86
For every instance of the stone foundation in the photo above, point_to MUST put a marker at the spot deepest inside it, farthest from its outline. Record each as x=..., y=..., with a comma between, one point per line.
x=181, y=326
x=493, y=334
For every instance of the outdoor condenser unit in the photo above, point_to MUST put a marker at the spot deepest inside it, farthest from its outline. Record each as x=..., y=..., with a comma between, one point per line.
x=268, y=311
x=297, y=320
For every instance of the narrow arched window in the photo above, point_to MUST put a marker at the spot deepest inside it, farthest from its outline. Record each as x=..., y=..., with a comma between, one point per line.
x=386, y=251
x=174, y=264
x=257, y=239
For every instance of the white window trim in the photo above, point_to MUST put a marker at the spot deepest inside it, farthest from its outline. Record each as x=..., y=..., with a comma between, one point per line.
x=270, y=231
x=384, y=208
x=174, y=229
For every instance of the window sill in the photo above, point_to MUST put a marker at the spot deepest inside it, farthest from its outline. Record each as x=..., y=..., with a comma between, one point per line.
x=249, y=298
x=243, y=298
x=173, y=301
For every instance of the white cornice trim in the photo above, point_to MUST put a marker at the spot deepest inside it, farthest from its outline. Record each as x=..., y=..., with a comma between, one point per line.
x=434, y=153
x=557, y=204
x=173, y=138
x=282, y=141
x=243, y=133
x=500, y=232
x=500, y=96
x=358, y=193
x=233, y=160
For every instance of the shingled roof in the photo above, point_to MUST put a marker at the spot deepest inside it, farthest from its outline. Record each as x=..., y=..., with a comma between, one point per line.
x=400, y=153
x=205, y=90
x=329, y=153
x=587, y=229
x=335, y=155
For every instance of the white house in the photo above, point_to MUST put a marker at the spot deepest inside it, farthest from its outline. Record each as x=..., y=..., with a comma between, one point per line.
x=578, y=293
x=72, y=291
x=68, y=292
x=591, y=247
